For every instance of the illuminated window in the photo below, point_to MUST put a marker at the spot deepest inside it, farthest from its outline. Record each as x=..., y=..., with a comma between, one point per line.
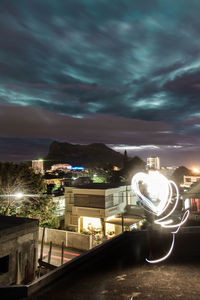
x=187, y=203
x=91, y=223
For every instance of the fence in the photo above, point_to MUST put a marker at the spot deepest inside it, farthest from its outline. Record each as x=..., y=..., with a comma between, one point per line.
x=70, y=239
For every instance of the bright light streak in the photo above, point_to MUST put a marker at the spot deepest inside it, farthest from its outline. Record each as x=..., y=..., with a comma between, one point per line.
x=160, y=192
x=164, y=257
x=20, y=195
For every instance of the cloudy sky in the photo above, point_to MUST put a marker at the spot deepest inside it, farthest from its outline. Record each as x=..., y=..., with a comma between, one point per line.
x=124, y=72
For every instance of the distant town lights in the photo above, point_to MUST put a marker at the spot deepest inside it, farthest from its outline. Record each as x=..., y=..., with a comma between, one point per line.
x=77, y=168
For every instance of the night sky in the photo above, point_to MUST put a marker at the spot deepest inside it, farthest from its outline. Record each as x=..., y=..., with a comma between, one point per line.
x=124, y=73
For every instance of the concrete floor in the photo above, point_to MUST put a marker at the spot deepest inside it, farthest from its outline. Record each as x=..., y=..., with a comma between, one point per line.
x=69, y=254
x=160, y=281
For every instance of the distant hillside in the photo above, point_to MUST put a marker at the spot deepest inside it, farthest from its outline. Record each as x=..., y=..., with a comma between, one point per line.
x=93, y=155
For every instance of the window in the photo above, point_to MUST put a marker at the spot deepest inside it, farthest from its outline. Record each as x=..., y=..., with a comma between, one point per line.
x=188, y=179
x=120, y=197
x=109, y=201
x=4, y=264
x=73, y=220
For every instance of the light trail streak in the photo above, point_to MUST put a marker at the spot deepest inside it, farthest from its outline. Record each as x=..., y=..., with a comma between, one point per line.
x=164, y=257
x=160, y=191
x=59, y=257
x=65, y=252
x=19, y=195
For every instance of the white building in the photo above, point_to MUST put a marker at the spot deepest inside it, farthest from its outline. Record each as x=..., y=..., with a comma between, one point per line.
x=62, y=167
x=189, y=180
x=100, y=210
x=38, y=166
x=60, y=205
x=153, y=163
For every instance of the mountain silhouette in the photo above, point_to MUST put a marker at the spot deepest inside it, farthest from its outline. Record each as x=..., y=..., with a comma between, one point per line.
x=89, y=156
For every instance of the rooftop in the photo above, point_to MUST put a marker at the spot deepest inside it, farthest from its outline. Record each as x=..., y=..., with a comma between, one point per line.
x=116, y=270
x=161, y=281
x=9, y=222
x=99, y=186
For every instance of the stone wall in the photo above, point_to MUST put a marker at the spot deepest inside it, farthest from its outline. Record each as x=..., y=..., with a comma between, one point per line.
x=19, y=245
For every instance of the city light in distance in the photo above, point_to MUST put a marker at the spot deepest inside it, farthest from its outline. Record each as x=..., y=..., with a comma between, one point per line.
x=196, y=170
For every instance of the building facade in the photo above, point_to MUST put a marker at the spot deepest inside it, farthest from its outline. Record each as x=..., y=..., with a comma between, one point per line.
x=61, y=167
x=38, y=166
x=189, y=180
x=153, y=163
x=18, y=251
x=99, y=210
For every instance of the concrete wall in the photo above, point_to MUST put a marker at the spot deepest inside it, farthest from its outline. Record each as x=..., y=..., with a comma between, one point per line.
x=20, y=244
x=70, y=239
x=79, y=241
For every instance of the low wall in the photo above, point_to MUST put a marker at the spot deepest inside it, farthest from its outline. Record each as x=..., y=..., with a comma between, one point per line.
x=70, y=239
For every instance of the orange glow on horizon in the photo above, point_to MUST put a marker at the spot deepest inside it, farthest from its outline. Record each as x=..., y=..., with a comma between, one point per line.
x=196, y=170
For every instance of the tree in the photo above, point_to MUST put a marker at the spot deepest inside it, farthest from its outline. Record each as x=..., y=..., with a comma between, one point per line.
x=133, y=166
x=125, y=159
x=179, y=173
x=113, y=177
x=41, y=208
x=19, y=178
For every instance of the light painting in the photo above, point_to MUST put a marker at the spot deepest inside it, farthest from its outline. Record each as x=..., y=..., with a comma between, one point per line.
x=159, y=196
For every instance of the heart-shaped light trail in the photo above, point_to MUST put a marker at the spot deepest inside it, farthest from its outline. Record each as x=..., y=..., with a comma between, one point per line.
x=160, y=192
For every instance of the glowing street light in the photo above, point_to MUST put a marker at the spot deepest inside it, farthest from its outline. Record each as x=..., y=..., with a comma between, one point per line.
x=19, y=195
x=158, y=201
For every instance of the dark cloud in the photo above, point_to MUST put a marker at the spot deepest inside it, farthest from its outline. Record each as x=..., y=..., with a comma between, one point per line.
x=82, y=64
x=32, y=122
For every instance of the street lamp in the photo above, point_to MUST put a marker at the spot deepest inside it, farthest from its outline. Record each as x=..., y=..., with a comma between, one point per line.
x=19, y=195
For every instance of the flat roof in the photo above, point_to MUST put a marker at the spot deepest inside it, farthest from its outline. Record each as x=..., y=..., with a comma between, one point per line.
x=176, y=278
x=11, y=221
x=142, y=282
x=98, y=186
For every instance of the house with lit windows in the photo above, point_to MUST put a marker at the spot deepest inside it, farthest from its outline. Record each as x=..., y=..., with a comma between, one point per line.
x=190, y=180
x=191, y=200
x=100, y=208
